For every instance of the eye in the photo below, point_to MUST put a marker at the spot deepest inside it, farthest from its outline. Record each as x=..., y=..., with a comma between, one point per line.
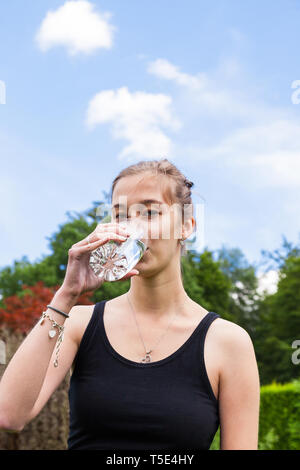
x=117, y=216
x=151, y=213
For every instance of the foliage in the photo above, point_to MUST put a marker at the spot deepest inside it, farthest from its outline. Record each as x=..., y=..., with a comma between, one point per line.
x=244, y=283
x=22, y=311
x=23, y=272
x=215, y=445
x=268, y=442
x=279, y=326
x=280, y=416
x=205, y=283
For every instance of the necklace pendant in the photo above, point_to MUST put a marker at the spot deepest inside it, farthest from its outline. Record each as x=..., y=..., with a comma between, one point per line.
x=147, y=357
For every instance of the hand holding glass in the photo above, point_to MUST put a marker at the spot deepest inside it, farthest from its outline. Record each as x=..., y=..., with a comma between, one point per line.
x=114, y=260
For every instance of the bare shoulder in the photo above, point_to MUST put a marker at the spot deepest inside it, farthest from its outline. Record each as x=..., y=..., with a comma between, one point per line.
x=80, y=316
x=233, y=343
x=230, y=333
x=230, y=336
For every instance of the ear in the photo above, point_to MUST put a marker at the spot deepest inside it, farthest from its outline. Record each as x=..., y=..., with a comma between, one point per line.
x=188, y=227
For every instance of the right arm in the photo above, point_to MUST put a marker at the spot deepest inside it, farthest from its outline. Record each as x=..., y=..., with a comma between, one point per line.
x=30, y=377
x=24, y=376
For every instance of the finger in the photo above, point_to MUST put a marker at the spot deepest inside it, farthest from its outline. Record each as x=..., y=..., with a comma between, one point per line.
x=109, y=226
x=101, y=240
x=112, y=228
x=95, y=236
x=132, y=273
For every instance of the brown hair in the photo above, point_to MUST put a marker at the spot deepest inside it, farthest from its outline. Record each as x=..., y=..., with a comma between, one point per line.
x=179, y=192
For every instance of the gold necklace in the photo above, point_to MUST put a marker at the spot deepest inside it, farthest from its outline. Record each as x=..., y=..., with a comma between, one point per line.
x=147, y=357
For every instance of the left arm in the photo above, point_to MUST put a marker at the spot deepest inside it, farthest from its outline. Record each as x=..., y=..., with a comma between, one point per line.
x=239, y=390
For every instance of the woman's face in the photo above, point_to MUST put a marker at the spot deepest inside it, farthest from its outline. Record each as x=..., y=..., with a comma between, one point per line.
x=161, y=220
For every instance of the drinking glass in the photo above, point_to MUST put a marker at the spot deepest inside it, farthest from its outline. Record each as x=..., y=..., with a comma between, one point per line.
x=115, y=259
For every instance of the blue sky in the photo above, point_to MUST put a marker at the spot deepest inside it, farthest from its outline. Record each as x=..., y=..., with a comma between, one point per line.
x=92, y=87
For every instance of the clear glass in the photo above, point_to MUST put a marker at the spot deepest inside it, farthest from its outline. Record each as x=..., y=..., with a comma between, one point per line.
x=115, y=259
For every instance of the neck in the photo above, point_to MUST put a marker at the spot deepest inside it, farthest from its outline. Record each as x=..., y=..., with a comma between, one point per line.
x=157, y=296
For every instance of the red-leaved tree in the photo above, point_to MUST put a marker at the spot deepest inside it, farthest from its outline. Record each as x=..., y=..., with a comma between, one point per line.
x=22, y=312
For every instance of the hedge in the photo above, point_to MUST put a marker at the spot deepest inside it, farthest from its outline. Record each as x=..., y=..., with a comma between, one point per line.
x=280, y=416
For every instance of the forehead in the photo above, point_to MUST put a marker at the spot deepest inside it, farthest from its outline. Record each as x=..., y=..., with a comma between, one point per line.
x=137, y=189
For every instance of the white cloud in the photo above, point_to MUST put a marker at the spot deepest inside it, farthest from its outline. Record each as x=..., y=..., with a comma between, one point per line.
x=267, y=282
x=247, y=132
x=136, y=117
x=271, y=150
x=164, y=69
x=208, y=93
x=77, y=26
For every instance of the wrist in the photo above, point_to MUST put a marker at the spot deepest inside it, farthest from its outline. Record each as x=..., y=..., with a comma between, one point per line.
x=64, y=300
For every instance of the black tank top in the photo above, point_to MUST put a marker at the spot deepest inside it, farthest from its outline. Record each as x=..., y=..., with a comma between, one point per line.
x=116, y=403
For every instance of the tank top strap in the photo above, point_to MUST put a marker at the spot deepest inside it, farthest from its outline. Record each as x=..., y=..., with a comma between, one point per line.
x=199, y=353
x=203, y=328
x=92, y=326
x=205, y=324
x=99, y=308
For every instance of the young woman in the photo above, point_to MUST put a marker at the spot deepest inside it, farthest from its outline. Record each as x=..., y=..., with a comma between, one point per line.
x=151, y=369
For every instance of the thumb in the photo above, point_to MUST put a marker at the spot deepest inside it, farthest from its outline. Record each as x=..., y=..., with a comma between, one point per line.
x=133, y=272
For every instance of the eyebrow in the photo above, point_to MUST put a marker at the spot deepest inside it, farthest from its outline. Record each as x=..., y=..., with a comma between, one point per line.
x=145, y=202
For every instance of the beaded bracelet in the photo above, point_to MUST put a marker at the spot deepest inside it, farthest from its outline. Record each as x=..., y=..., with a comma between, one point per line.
x=52, y=334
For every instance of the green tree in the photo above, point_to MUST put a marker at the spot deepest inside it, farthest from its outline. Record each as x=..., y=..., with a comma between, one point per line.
x=279, y=319
x=205, y=282
x=243, y=301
